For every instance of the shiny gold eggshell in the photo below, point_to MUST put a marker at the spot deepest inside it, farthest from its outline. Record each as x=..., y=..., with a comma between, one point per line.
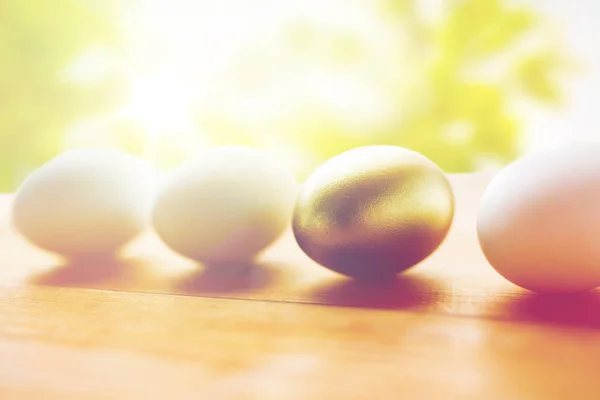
x=373, y=211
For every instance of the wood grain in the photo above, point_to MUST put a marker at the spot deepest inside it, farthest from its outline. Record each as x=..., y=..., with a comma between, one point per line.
x=156, y=326
x=73, y=343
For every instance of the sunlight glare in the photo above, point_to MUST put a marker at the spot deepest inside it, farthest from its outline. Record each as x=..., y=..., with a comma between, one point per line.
x=161, y=103
x=261, y=65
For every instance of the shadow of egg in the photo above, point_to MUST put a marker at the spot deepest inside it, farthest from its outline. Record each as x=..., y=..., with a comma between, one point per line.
x=409, y=291
x=571, y=310
x=94, y=271
x=230, y=278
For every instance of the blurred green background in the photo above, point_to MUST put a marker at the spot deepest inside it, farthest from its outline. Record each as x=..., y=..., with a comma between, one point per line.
x=303, y=80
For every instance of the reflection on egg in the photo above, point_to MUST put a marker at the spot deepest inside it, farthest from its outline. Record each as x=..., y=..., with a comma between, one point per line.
x=539, y=220
x=225, y=206
x=86, y=201
x=374, y=211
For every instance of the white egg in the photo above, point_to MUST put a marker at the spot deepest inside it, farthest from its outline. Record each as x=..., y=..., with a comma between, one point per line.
x=225, y=206
x=85, y=201
x=539, y=220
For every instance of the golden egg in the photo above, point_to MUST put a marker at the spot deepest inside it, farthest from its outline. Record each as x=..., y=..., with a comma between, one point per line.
x=373, y=211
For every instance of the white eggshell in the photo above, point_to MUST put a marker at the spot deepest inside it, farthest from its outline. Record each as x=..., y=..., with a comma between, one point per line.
x=85, y=201
x=225, y=206
x=539, y=220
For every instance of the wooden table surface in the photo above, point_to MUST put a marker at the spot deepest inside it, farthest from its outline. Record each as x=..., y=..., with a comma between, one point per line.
x=156, y=326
